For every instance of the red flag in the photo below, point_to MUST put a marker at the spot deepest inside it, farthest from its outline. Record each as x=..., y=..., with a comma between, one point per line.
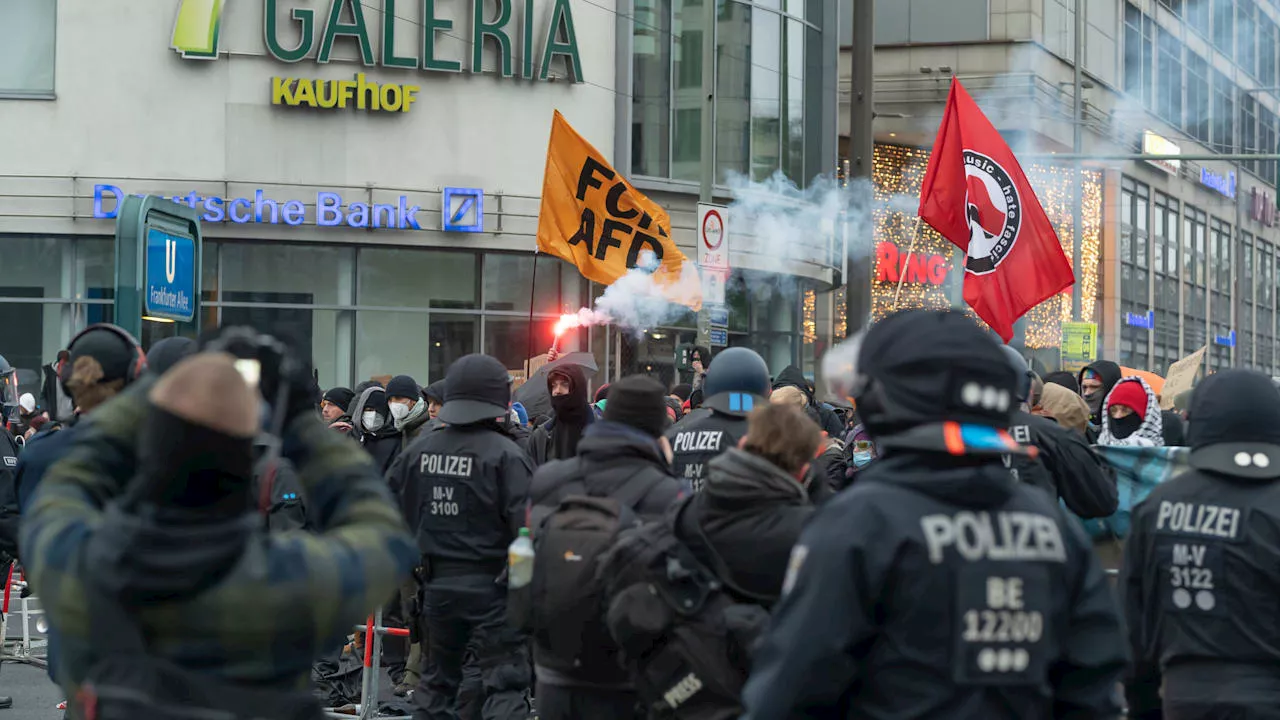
x=976, y=195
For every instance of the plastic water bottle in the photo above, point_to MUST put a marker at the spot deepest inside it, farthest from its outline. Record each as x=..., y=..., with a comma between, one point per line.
x=520, y=560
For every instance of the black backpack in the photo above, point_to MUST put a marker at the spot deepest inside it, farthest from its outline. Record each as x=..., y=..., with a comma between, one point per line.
x=683, y=636
x=565, y=599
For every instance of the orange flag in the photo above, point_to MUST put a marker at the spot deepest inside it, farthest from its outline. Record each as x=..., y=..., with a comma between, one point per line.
x=592, y=217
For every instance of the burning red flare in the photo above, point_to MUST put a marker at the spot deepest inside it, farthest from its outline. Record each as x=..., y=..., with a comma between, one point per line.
x=567, y=322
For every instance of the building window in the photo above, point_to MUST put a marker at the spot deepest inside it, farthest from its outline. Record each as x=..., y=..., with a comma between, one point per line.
x=1245, y=320
x=1196, y=122
x=1266, y=329
x=1223, y=25
x=1134, y=273
x=1199, y=16
x=1220, y=291
x=1165, y=251
x=765, y=60
x=1223, y=113
x=1249, y=129
x=1138, y=32
x=1169, y=96
x=1174, y=5
x=1194, y=228
x=27, y=32
x=1246, y=36
x=1267, y=39
x=1266, y=143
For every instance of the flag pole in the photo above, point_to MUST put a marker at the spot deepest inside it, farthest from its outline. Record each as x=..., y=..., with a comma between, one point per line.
x=911, y=250
x=533, y=286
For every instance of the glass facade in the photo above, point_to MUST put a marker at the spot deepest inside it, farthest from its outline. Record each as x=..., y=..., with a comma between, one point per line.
x=769, y=63
x=1188, y=288
x=358, y=313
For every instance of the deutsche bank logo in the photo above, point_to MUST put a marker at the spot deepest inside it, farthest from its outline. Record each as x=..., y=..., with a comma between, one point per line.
x=170, y=277
x=462, y=210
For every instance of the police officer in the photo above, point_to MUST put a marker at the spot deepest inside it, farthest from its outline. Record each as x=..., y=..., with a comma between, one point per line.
x=736, y=382
x=1066, y=466
x=960, y=594
x=8, y=393
x=1199, y=576
x=464, y=489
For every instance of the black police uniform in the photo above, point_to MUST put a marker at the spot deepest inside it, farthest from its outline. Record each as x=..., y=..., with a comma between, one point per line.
x=1066, y=466
x=464, y=489
x=1199, y=578
x=704, y=434
x=960, y=593
x=8, y=494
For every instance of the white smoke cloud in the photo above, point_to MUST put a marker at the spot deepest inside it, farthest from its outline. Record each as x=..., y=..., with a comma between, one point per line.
x=639, y=300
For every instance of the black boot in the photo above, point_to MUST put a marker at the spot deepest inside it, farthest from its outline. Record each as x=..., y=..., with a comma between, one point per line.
x=6, y=702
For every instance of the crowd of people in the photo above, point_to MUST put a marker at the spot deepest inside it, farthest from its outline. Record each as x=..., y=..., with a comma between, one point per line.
x=730, y=546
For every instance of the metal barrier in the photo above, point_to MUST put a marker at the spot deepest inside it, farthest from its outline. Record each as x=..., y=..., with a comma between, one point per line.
x=24, y=651
x=367, y=708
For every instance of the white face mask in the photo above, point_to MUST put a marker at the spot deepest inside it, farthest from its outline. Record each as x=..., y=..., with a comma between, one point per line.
x=371, y=420
x=399, y=410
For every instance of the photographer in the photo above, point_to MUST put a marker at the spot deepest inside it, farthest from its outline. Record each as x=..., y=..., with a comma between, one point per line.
x=160, y=585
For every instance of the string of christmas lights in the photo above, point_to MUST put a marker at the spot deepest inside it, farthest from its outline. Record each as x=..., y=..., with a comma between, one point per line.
x=897, y=175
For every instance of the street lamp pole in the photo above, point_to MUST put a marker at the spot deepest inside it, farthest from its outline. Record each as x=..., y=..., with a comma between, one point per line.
x=1077, y=146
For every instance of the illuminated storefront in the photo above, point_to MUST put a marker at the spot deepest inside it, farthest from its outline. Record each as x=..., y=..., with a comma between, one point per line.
x=929, y=278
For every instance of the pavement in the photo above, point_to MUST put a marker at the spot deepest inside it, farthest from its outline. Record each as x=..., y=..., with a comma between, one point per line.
x=35, y=697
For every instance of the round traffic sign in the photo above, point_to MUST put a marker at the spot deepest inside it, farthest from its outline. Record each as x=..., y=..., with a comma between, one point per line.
x=712, y=230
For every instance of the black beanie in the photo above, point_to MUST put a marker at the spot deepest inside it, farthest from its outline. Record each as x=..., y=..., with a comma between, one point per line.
x=682, y=391
x=403, y=386
x=340, y=396
x=638, y=401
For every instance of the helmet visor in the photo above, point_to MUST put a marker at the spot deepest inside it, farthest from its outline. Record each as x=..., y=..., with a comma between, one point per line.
x=9, y=388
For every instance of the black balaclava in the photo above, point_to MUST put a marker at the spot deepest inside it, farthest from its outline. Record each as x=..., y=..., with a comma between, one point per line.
x=573, y=414
x=1125, y=426
x=1109, y=373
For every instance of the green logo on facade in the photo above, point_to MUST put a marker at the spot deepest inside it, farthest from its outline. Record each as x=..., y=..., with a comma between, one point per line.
x=195, y=33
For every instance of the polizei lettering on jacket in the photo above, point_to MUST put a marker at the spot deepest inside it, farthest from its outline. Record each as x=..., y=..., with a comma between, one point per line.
x=458, y=466
x=994, y=536
x=698, y=441
x=1195, y=519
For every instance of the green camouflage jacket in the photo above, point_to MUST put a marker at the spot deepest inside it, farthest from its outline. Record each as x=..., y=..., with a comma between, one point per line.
x=291, y=597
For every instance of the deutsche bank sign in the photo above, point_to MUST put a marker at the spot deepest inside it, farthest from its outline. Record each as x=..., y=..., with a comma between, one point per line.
x=170, y=277
x=466, y=214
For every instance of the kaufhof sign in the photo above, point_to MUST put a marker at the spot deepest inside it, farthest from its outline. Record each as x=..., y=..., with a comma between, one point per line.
x=525, y=39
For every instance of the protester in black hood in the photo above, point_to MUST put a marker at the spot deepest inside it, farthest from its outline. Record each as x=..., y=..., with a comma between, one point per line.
x=1173, y=429
x=558, y=438
x=1198, y=580
x=623, y=457
x=883, y=607
x=169, y=352
x=753, y=505
x=825, y=417
x=1065, y=379
x=1066, y=467
x=1096, y=381
x=372, y=427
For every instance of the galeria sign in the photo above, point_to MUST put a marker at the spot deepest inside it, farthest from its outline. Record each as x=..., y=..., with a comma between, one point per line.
x=526, y=46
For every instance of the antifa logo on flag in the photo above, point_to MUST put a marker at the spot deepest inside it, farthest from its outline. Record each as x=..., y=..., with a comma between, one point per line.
x=994, y=213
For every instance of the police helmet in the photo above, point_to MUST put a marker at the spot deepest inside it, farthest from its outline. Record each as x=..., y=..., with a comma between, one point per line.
x=737, y=381
x=1024, y=371
x=921, y=370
